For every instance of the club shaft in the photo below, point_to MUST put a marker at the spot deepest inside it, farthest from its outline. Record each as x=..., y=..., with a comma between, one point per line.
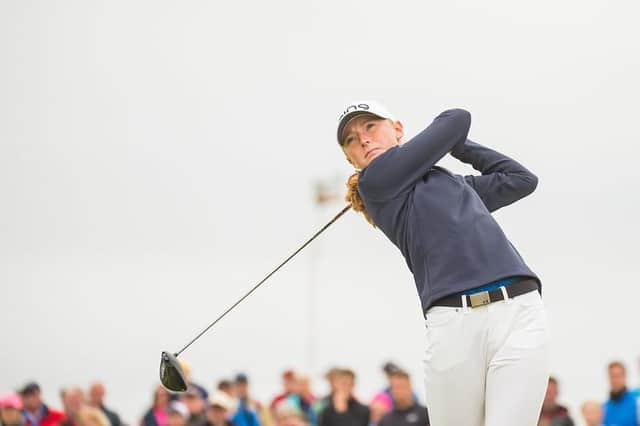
x=343, y=211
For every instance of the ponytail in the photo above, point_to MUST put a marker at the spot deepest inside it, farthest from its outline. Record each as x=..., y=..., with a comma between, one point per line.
x=353, y=197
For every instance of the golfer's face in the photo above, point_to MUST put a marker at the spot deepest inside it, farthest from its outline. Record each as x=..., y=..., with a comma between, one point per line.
x=365, y=137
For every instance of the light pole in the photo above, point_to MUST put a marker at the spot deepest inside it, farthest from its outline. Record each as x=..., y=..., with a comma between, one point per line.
x=327, y=192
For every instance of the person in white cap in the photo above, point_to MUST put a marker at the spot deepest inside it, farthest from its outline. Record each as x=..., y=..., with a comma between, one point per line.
x=220, y=406
x=177, y=414
x=485, y=361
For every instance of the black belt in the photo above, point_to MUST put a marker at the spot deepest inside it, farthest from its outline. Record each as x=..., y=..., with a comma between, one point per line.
x=485, y=297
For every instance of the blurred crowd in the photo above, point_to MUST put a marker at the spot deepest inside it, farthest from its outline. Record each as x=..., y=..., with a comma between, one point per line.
x=231, y=404
x=622, y=408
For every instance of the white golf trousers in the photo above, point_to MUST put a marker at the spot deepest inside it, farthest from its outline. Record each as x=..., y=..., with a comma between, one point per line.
x=487, y=366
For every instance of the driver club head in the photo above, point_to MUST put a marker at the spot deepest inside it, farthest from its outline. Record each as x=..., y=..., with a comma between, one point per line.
x=171, y=374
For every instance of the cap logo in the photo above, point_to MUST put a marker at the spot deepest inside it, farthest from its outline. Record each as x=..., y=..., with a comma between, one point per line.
x=350, y=108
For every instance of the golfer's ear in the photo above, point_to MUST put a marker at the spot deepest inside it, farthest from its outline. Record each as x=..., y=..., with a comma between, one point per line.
x=399, y=130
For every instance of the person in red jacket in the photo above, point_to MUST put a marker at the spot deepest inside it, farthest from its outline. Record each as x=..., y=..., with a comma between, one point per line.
x=36, y=413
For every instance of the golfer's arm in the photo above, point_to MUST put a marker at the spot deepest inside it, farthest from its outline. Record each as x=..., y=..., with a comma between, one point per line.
x=401, y=167
x=503, y=179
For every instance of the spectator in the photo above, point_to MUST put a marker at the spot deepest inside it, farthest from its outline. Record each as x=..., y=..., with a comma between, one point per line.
x=290, y=386
x=96, y=399
x=178, y=413
x=621, y=408
x=220, y=406
x=294, y=399
x=195, y=404
x=343, y=409
x=10, y=410
x=553, y=414
x=321, y=403
x=289, y=415
x=73, y=401
x=304, y=385
x=37, y=413
x=246, y=414
x=592, y=413
x=292, y=396
x=227, y=387
x=241, y=391
x=406, y=411
x=157, y=414
x=186, y=369
x=378, y=407
x=382, y=403
x=91, y=416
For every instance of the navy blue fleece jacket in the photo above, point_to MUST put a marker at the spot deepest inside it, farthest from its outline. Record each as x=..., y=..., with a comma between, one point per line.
x=440, y=221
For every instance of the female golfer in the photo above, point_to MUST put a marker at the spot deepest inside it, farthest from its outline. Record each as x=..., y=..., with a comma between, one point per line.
x=485, y=360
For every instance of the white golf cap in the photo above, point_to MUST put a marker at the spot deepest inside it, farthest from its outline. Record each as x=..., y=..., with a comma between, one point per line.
x=221, y=399
x=179, y=408
x=355, y=109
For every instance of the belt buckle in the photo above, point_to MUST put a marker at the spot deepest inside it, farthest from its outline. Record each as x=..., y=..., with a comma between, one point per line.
x=480, y=299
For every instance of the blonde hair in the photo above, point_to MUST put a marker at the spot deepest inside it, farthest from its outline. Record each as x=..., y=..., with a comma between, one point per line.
x=90, y=416
x=353, y=197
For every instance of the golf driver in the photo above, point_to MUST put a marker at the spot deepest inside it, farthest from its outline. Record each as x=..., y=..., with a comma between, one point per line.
x=171, y=374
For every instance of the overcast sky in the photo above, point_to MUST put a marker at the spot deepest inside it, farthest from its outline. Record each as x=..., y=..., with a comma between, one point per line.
x=158, y=158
